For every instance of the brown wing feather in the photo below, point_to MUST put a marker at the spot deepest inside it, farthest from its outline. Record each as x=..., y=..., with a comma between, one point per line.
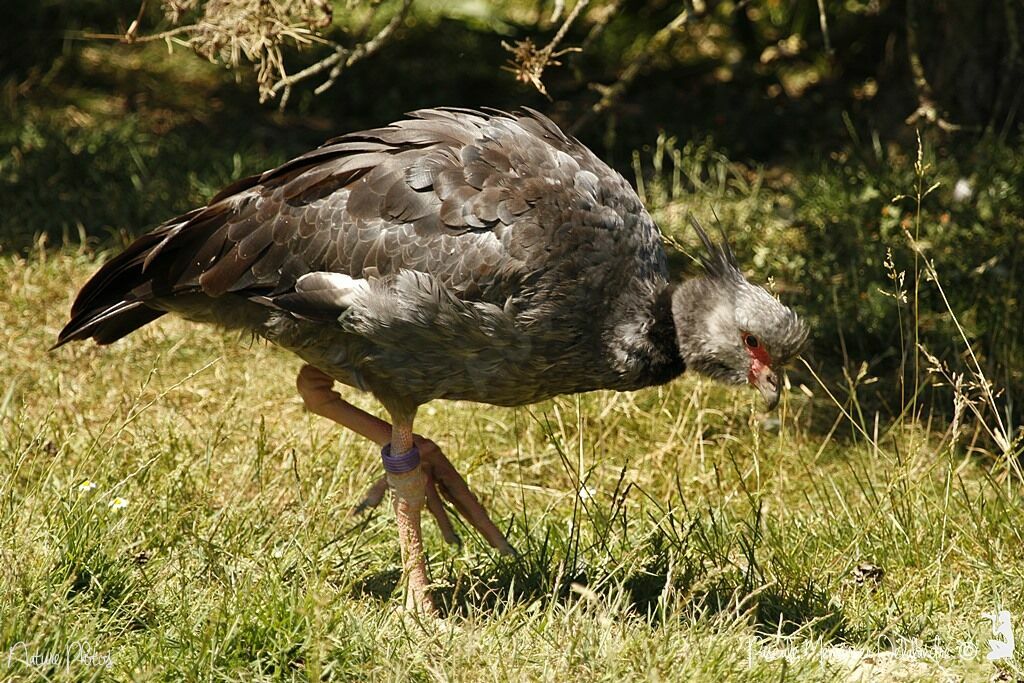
x=468, y=197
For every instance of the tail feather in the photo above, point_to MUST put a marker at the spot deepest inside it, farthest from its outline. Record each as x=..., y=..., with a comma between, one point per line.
x=210, y=250
x=109, y=306
x=118, y=276
x=107, y=325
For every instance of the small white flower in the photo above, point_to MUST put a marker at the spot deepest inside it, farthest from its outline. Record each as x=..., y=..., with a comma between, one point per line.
x=962, y=191
x=86, y=486
x=587, y=493
x=119, y=503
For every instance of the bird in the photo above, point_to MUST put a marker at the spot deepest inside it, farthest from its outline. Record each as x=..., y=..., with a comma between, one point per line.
x=460, y=254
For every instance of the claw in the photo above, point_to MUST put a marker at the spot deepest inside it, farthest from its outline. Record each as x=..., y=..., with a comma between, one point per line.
x=444, y=481
x=447, y=481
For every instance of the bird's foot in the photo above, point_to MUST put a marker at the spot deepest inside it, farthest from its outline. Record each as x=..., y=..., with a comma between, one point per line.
x=408, y=488
x=443, y=480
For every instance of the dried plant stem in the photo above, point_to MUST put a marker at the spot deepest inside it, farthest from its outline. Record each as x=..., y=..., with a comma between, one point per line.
x=564, y=28
x=856, y=425
x=1000, y=434
x=927, y=109
x=823, y=20
x=340, y=59
x=528, y=62
x=919, y=169
x=611, y=94
x=131, y=38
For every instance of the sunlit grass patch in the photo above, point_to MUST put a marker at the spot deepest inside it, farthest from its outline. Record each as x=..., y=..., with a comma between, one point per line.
x=676, y=530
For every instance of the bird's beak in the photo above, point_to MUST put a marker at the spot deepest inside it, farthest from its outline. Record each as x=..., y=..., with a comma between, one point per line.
x=767, y=382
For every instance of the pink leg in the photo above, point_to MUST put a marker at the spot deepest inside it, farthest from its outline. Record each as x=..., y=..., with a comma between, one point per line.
x=437, y=473
x=410, y=491
x=316, y=389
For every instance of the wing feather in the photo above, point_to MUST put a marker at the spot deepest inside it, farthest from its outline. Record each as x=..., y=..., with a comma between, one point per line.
x=473, y=199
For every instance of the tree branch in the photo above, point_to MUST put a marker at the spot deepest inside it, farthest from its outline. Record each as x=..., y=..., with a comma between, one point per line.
x=340, y=59
x=927, y=109
x=610, y=94
x=607, y=13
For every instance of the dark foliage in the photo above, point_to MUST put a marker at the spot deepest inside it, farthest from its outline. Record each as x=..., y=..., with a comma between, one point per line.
x=101, y=141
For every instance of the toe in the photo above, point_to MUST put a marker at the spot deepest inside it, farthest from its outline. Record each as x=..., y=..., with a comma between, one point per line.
x=374, y=495
x=453, y=487
x=436, y=508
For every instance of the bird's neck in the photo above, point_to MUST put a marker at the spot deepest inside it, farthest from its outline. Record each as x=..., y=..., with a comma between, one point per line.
x=668, y=364
x=643, y=344
x=689, y=299
x=701, y=316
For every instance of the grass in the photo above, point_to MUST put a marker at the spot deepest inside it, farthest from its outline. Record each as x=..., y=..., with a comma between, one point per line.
x=672, y=534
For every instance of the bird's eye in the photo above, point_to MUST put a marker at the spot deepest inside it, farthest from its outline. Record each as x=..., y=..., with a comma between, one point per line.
x=751, y=341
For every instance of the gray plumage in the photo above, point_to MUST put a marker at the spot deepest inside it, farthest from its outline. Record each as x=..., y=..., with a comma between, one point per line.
x=454, y=254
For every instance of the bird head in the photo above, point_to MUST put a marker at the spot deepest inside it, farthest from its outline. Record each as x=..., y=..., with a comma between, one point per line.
x=732, y=330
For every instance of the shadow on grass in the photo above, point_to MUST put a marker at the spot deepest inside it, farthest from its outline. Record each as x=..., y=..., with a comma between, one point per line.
x=660, y=579
x=121, y=139
x=115, y=139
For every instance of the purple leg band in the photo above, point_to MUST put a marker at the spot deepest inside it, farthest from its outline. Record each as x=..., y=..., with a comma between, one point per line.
x=400, y=464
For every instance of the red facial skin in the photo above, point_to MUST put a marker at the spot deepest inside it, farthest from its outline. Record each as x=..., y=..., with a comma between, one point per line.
x=759, y=361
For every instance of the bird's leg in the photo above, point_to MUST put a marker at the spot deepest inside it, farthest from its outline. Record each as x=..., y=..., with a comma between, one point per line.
x=315, y=387
x=408, y=483
x=443, y=479
x=405, y=475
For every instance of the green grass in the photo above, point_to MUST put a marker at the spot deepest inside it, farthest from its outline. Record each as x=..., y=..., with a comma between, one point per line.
x=712, y=543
